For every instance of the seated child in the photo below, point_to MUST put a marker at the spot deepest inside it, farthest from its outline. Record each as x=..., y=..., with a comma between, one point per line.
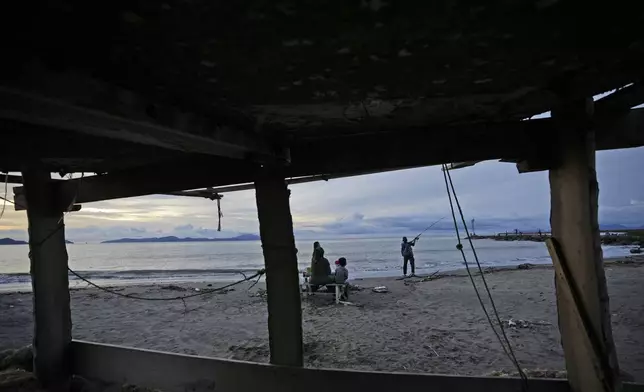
x=341, y=271
x=341, y=275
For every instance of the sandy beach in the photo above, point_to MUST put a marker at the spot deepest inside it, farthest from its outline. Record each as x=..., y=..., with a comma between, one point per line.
x=435, y=326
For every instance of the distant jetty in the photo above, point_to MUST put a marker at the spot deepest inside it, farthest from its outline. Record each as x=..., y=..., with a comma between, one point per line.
x=243, y=237
x=621, y=237
x=512, y=237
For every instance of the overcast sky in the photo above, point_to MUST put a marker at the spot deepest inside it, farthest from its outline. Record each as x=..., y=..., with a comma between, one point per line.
x=394, y=203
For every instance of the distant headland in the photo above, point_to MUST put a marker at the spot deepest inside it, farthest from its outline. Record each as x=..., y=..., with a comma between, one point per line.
x=242, y=237
x=11, y=241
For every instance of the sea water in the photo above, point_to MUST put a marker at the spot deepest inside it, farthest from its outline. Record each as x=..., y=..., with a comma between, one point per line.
x=142, y=263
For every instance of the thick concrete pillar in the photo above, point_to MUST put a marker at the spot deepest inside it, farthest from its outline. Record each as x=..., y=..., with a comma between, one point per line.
x=48, y=257
x=574, y=205
x=282, y=280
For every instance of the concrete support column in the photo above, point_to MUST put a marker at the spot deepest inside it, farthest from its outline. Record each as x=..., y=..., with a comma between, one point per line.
x=574, y=205
x=48, y=258
x=282, y=280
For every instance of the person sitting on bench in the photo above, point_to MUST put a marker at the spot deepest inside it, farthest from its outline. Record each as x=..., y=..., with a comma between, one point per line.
x=320, y=268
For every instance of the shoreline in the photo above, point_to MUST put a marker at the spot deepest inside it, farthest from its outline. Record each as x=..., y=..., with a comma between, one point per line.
x=199, y=282
x=387, y=263
x=422, y=326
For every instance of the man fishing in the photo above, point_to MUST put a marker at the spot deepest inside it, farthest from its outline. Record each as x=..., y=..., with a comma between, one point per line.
x=408, y=255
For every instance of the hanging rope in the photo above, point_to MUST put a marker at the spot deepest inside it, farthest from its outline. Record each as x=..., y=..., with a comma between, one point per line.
x=509, y=352
x=257, y=275
x=219, y=213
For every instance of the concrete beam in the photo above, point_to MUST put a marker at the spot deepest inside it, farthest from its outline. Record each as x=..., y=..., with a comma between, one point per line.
x=97, y=113
x=418, y=147
x=514, y=141
x=348, y=156
x=621, y=101
x=625, y=131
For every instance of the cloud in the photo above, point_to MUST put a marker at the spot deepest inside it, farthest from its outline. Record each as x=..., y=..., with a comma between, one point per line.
x=394, y=203
x=15, y=234
x=412, y=225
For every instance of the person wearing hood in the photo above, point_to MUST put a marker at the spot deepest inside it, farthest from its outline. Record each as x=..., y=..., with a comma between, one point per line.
x=320, y=268
x=408, y=255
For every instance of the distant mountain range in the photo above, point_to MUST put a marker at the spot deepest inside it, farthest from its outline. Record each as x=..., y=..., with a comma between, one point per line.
x=243, y=237
x=11, y=241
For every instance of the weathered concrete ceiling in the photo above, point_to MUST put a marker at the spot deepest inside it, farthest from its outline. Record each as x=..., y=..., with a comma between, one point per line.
x=304, y=65
x=249, y=77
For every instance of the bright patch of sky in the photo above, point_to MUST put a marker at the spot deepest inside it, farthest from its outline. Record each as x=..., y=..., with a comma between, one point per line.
x=394, y=203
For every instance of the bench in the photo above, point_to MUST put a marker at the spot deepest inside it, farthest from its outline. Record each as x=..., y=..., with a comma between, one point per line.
x=339, y=288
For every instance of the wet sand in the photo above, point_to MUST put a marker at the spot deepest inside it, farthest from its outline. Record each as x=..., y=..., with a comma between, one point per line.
x=435, y=326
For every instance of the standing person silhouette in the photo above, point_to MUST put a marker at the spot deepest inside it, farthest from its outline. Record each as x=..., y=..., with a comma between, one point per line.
x=408, y=256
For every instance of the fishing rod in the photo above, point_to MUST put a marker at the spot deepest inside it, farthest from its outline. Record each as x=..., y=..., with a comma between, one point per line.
x=427, y=228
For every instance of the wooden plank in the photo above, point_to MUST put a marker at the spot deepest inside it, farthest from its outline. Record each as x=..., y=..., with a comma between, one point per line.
x=208, y=193
x=289, y=181
x=48, y=257
x=461, y=165
x=570, y=290
x=249, y=186
x=574, y=205
x=193, y=135
x=178, y=373
x=280, y=258
x=11, y=179
x=140, y=181
x=148, y=180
